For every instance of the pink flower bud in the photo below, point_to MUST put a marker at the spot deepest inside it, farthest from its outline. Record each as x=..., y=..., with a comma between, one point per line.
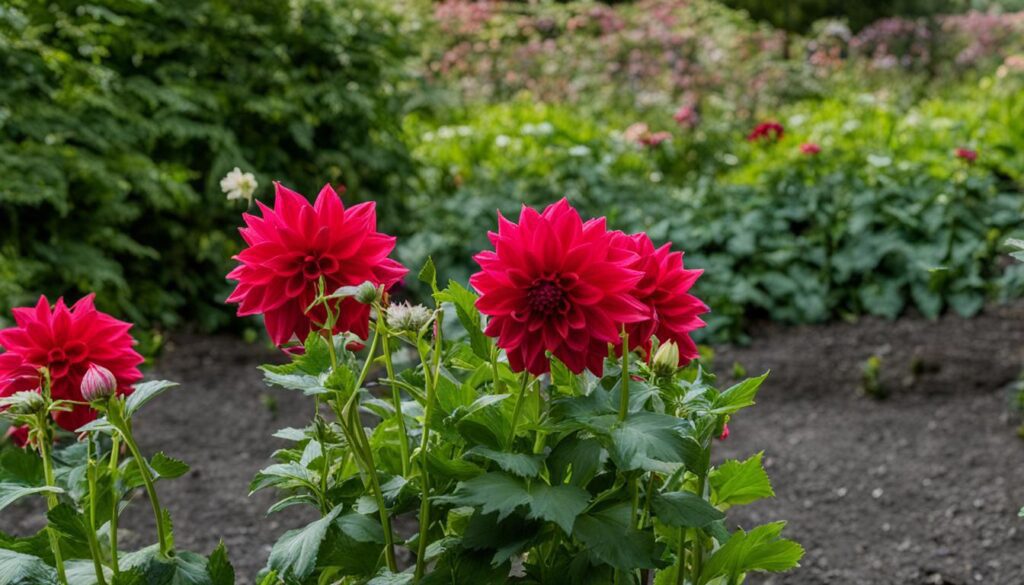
x=98, y=383
x=725, y=432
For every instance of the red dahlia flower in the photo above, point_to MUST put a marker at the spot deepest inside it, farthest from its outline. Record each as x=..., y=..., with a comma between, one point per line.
x=293, y=246
x=966, y=154
x=66, y=342
x=664, y=288
x=810, y=148
x=554, y=283
x=769, y=131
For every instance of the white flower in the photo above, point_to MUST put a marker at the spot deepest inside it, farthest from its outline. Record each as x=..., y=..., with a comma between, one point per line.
x=501, y=141
x=655, y=177
x=406, y=317
x=445, y=133
x=239, y=185
x=545, y=128
x=579, y=150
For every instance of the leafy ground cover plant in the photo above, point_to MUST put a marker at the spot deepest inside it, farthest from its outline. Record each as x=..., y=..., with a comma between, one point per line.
x=74, y=369
x=555, y=426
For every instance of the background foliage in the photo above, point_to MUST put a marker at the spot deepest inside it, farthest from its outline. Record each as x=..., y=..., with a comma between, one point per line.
x=120, y=116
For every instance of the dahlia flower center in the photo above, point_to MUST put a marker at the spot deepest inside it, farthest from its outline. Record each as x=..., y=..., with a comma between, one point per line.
x=546, y=297
x=314, y=267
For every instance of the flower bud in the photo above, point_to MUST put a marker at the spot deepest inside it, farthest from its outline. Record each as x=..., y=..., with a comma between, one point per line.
x=98, y=384
x=406, y=317
x=666, y=359
x=22, y=403
x=368, y=293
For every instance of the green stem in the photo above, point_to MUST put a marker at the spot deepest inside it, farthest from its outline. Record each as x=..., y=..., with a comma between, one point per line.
x=90, y=532
x=396, y=396
x=147, y=481
x=698, y=539
x=681, y=557
x=518, y=409
x=624, y=394
x=431, y=376
x=115, y=449
x=51, y=498
x=363, y=451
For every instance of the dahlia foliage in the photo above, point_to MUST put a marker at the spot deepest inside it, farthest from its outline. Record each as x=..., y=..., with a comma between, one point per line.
x=552, y=423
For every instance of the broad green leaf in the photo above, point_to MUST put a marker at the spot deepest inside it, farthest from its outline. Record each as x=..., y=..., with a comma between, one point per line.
x=465, y=308
x=560, y=504
x=71, y=530
x=761, y=549
x=428, y=274
x=168, y=467
x=458, y=469
x=184, y=568
x=576, y=459
x=145, y=392
x=507, y=538
x=492, y=492
x=284, y=475
x=294, y=554
x=12, y=492
x=685, y=509
x=649, y=441
x=83, y=572
x=361, y=528
x=21, y=569
x=739, y=396
x=740, y=482
x=521, y=464
x=386, y=577
x=610, y=538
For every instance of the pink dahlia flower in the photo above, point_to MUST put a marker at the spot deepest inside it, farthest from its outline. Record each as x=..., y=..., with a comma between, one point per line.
x=556, y=283
x=810, y=148
x=766, y=131
x=66, y=342
x=665, y=290
x=293, y=246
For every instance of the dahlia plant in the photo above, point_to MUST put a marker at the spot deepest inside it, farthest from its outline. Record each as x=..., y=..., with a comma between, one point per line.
x=551, y=425
x=75, y=369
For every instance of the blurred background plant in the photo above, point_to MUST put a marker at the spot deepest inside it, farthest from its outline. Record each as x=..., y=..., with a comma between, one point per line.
x=123, y=117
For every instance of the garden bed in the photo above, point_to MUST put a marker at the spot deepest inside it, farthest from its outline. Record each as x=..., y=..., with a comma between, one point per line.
x=922, y=487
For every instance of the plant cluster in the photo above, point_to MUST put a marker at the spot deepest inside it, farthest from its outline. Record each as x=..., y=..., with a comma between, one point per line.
x=119, y=118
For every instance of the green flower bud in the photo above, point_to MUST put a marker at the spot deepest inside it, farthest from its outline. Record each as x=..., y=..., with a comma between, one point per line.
x=666, y=359
x=369, y=293
x=23, y=403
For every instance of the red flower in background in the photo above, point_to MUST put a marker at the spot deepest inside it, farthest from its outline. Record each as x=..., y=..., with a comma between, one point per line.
x=687, y=116
x=293, y=246
x=664, y=288
x=967, y=155
x=768, y=131
x=66, y=342
x=555, y=283
x=810, y=148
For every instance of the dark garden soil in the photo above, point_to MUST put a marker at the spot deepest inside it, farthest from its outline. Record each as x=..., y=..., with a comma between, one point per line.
x=920, y=488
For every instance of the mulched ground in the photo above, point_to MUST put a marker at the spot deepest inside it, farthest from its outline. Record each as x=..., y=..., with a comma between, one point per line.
x=920, y=488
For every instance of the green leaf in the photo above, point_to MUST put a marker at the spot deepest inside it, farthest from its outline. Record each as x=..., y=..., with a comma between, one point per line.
x=465, y=308
x=428, y=274
x=739, y=396
x=492, y=492
x=386, y=577
x=560, y=504
x=83, y=572
x=71, y=530
x=221, y=571
x=184, y=568
x=649, y=441
x=458, y=469
x=21, y=569
x=761, y=549
x=685, y=509
x=145, y=392
x=740, y=482
x=576, y=459
x=12, y=492
x=284, y=475
x=361, y=528
x=610, y=538
x=294, y=554
x=168, y=467
x=521, y=464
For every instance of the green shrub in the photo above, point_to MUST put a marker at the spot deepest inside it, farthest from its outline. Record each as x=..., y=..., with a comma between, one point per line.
x=119, y=117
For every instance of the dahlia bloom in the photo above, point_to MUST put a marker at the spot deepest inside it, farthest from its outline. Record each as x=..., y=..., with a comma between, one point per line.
x=687, y=116
x=555, y=283
x=641, y=134
x=66, y=342
x=768, y=131
x=966, y=154
x=810, y=148
x=664, y=289
x=293, y=246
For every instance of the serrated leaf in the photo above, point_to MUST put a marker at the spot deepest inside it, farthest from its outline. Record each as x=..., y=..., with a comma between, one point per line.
x=221, y=571
x=740, y=482
x=289, y=474
x=610, y=538
x=560, y=504
x=21, y=569
x=12, y=492
x=71, y=530
x=761, y=549
x=145, y=392
x=184, y=568
x=361, y=528
x=168, y=467
x=294, y=554
x=521, y=464
x=685, y=509
x=492, y=492
x=739, y=396
x=291, y=434
x=576, y=459
x=464, y=301
x=649, y=441
x=428, y=274
x=386, y=577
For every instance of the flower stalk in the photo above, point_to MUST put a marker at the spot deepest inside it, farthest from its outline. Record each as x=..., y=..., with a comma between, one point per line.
x=431, y=375
x=90, y=532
